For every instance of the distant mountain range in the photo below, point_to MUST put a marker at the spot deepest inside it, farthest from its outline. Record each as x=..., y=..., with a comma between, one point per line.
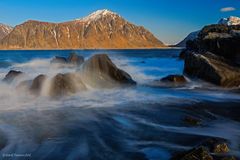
x=232, y=20
x=101, y=29
x=4, y=30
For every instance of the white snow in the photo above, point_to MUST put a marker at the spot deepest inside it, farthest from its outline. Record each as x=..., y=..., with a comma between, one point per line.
x=232, y=20
x=6, y=29
x=98, y=14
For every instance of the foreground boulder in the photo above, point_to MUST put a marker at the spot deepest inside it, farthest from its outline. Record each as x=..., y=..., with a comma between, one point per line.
x=100, y=71
x=66, y=84
x=75, y=59
x=12, y=75
x=212, y=68
x=37, y=84
x=174, y=79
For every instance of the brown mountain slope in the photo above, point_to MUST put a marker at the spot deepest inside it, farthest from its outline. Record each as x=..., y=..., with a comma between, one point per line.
x=101, y=29
x=4, y=30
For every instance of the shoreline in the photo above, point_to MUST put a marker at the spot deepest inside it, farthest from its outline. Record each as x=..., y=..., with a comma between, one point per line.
x=51, y=49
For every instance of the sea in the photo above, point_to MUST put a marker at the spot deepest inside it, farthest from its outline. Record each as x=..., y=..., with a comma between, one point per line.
x=146, y=121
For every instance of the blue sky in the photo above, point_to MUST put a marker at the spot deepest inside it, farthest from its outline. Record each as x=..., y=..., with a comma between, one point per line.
x=169, y=20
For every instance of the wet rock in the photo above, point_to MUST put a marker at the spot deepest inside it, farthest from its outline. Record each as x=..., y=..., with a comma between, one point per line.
x=12, y=75
x=212, y=68
x=100, y=71
x=75, y=59
x=229, y=158
x=66, y=84
x=59, y=60
x=37, y=84
x=174, y=79
x=199, y=153
x=216, y=145
x=192, y=120
x=24, y=85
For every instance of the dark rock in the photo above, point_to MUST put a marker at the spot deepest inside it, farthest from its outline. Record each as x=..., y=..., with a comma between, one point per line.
x=229, y=158
x=174, y=79
x=59, y=60
x=12, y=75
x=100, y=71
x=192, y=120
x=37, y=84
x=66, y=84
x=216, y=145
x=199, y=153
x=221, y=40
x=212, y=68
x=75, y=59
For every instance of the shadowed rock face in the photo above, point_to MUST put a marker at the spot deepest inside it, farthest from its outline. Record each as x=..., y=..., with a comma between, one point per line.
x=59, y=60
x=100, y=71
x=12, y=75
x=75, y=59
x=37, y=84
x=221, y=40
x=109, y=30
x=66, y=84
x=212, y=68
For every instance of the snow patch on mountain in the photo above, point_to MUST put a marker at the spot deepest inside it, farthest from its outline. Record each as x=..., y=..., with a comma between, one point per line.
x=232, y=20
x=99, y=14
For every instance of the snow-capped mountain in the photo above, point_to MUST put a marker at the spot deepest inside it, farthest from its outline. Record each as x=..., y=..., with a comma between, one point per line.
x=4, y=30
x=99, y=14
x=101, y=29
x=232, y=20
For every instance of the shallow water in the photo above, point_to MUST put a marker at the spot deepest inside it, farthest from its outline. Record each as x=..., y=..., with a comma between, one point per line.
x=142, y=122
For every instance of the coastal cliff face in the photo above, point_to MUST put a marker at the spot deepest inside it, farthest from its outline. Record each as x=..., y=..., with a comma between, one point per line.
x=101, y=29
x=214, y=55
x=4, y=30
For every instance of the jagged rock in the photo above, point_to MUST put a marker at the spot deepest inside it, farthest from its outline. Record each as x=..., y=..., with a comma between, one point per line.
x=212, y=68
x=199, y=153
x=59, y=60
x=12, y=75
x=65, y=84
x=37, y=84
x=75, y=59
x=100, y=71
x=216, y=145
x=174, y=79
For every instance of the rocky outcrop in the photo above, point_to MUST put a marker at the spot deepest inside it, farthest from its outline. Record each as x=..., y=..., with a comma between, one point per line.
x=12, y=75
x=212, y=68
x=37, y=84
x=174, y=79
x=4, y=30
x=59, y=60
x=75, y=59
x=215, y=55
x=66, y=84
x=102, y=29
x=100, y=71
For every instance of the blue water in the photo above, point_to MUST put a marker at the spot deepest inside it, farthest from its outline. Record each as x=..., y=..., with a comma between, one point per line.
x=142, y=122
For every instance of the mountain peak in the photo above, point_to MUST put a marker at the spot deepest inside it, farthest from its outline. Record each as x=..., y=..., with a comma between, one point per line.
x=232, y=20
x=99, y=14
